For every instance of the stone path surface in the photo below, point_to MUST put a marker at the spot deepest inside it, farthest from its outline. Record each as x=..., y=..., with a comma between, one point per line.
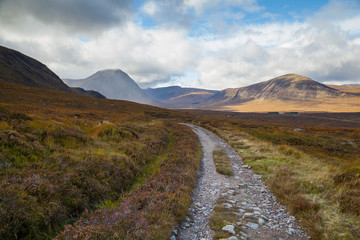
x=260, y=216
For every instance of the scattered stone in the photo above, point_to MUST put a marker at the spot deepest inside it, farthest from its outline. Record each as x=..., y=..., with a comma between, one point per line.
x=104, y=121
x=299, y=130
x=242, y=185
x=227, y=205
x=233, y=238
x=252, y=225
x=248, y=215
x=198, y=205
x=229, y=228
x=320, y=186
x=261, y=221
x=257, y=213
x=291, y=231
x=173, y=237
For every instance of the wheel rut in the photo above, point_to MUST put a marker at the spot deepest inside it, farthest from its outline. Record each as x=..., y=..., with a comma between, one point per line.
x=260, y=215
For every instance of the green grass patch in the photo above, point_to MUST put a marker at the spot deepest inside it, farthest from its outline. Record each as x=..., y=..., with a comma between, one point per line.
x=222, y=163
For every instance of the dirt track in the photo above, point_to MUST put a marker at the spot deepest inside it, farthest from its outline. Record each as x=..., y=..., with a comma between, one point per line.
x=260, y=216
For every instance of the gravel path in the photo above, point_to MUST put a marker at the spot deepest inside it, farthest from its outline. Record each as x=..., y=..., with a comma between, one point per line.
x=260, y=215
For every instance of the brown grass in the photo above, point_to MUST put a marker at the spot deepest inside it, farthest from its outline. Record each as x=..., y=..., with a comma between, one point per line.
x=154, y=208
x=284, y=186
x=57, y=163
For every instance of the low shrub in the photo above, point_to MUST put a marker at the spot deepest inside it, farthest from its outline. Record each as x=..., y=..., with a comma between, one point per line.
x=155, y=207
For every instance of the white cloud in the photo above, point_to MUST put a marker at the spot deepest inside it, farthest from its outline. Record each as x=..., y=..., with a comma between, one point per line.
x=319, y=47
x=150, y=8
x=201, y=5
x=147, y=55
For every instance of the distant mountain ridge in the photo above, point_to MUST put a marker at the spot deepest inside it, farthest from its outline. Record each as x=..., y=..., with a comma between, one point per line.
x=180, y=97
x=16, y=67
x=114, y=84
x=290, y=92
x=355, y=88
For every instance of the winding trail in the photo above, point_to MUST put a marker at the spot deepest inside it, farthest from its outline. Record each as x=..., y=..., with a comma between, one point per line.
x=260, y=216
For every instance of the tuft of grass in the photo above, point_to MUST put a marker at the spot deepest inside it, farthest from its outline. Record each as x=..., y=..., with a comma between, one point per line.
x=222, y=163
x=350, y=201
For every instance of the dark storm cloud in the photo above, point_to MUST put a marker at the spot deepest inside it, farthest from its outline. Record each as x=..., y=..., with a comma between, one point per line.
x=73, y=15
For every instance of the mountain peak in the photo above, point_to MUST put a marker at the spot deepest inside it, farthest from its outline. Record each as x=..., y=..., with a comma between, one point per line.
x=110, y=72
x=115, y=84
x=292, y=77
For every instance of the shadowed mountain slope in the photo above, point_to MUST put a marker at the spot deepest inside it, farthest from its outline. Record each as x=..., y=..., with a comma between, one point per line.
x=114, y=84
x=16, y=67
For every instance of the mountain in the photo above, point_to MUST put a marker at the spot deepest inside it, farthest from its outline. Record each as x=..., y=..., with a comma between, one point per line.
x=289, y=92
x=114, y=84
x=180, y=97
x=16, y=67
x=292, y=87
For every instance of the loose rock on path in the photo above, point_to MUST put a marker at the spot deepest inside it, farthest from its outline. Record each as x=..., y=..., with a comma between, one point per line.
x=260, y=216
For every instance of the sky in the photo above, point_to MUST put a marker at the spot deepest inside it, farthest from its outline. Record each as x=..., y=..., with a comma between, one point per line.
x=213, y=44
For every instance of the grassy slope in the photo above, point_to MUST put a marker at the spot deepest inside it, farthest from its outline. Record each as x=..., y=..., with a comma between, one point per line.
x=314, y=173
x=57, y=163
x=349, y=104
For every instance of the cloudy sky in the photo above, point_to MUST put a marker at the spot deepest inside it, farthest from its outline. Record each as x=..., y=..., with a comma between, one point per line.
x=212, y=44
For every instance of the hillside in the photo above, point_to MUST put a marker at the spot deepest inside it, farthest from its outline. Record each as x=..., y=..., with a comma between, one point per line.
x=180, y=97
x=114, y=84
x=16, y=67
x=58, y=163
